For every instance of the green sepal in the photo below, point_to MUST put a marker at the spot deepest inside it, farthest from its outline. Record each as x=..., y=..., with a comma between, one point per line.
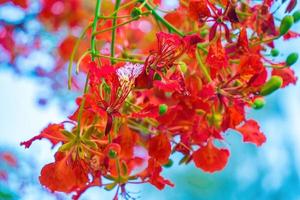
x=67, y=146
x=109, y=177
x=80, y=151
x=68, y=134
x=87, y=134
x=89, y=143
x=124, y=168
x=184, y=160
x=110, y=186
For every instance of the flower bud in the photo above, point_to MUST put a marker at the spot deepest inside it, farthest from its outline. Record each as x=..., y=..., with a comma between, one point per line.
x=296, y=16
x=274, y=52
x=215, y=119
x=136, y=12
x=169, y=163
x=113, y=150
x=291, y=59
x=163, y=108
x=272, y=85
x=258, y=103
x=204, y=32
x=182, y=66
x=112, y=154
x=286, y=24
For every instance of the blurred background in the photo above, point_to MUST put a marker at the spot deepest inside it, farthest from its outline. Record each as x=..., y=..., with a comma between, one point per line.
x=30, y=99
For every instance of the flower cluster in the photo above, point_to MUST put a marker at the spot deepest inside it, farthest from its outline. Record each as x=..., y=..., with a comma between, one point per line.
x=145, y=100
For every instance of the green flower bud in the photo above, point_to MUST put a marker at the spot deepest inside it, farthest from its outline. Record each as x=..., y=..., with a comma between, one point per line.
x=286, y=24
x=163, y=108
x=112, y=154
x=157, y=77
x=169, y=164
x=258, y=103
x=272, y=85
x=136, y=12
x=274, y=52
x=182, y=66
x=291, y=59
x=296, y=16
x=204, y=32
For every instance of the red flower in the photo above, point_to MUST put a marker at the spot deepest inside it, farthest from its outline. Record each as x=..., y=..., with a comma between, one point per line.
x=169, y=48
x=110, y=86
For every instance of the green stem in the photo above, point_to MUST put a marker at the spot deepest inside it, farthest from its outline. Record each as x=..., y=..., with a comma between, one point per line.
x=94, y=28
x=203, y=67
x=82, y=106
x=73, y=55
x=113, y=34
x=267, y=40
x=120, y=59
x=93, y=51
x=80, y=59
x=163, y=21
x=113, y=27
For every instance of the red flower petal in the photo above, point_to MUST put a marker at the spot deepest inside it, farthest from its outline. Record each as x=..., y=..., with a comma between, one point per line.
x=198, y=9
x=287, y=75
x=154, y=170
x=210, y=159
x=63, y=176
x=251, y=133
x=217, y=57
x=52, y=132
x=160, y=148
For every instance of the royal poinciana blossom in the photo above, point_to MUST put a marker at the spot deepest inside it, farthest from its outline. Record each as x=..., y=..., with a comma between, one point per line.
x=148, y=97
